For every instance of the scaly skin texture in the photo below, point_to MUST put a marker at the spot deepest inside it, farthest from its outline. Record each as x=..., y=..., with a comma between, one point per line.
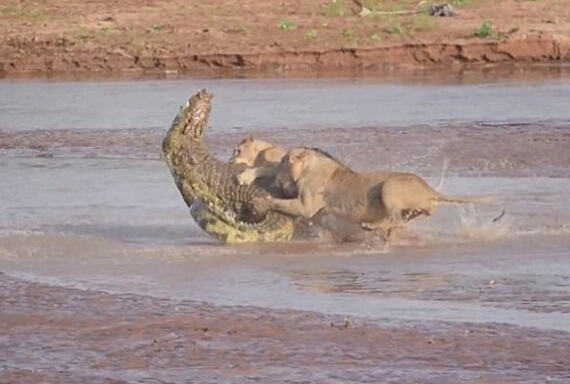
x=220, y=206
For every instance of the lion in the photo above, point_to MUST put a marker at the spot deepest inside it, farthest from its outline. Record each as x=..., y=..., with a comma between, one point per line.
x=263, y=160
x=380, y=201
x=257, y=153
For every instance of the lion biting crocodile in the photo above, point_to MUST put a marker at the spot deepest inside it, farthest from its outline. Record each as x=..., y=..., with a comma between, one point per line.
x=219, y=204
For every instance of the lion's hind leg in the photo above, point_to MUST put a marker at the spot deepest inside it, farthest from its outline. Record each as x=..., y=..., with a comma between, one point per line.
x=388, y=228
x=410, y=214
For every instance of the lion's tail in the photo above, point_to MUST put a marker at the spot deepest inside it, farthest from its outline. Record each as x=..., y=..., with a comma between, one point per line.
x=463, y=199
x=444, y=168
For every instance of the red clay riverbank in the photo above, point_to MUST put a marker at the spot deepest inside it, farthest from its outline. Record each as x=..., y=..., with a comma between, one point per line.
x=175, y=37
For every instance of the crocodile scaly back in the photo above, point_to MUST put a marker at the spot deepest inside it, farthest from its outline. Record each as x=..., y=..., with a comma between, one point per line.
x=219, y=204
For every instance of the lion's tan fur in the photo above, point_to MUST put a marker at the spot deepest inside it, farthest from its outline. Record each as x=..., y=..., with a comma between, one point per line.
x=263, y=160
x=382, y=201
x=257, y=153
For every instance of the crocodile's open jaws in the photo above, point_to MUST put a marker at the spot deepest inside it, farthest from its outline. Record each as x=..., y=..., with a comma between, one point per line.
x=220, y=206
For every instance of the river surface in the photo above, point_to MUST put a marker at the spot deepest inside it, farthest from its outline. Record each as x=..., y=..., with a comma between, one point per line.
x=87, y=202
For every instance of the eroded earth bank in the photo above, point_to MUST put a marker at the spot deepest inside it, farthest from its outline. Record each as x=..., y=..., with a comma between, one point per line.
x=180, y=37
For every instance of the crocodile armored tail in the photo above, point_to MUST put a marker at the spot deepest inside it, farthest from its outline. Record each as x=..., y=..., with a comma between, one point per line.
x=220, y=206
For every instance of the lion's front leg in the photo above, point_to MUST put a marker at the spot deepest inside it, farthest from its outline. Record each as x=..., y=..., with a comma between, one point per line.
x=293, y=207
x=250, y=175
x=305, y=205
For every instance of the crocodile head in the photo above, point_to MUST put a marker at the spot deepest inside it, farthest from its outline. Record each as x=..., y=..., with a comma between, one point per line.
x=195, y=114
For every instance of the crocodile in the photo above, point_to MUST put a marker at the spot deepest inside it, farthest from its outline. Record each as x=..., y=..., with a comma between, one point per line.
x=218, y=203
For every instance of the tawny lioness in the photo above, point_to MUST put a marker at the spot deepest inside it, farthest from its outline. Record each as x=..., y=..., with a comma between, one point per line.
x=263, y=160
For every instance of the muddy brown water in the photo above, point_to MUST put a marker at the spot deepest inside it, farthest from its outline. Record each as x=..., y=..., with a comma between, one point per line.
x=87, y=206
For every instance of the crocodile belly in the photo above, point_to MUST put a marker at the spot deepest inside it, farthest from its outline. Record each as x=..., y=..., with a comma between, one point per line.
x=273, y=228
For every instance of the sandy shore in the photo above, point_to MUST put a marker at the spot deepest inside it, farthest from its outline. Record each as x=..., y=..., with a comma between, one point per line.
x=51, y=37
x=73, y=336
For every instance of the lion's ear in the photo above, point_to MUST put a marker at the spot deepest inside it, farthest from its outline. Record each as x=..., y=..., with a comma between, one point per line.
x=304, y=155
x=249, y=139
x=298, y=157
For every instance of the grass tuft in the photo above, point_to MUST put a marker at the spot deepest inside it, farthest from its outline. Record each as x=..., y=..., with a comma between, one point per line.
x=335, y=8
x=106, y=31
x=85, y=33
x=375, y=37
x=286, y=24
x=484, y=30
x=396, y=29
x=312, y=34
x=347, y=34
x=36, y=12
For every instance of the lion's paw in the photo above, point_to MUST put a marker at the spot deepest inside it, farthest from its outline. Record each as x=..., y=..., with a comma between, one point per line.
x=246, y=177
